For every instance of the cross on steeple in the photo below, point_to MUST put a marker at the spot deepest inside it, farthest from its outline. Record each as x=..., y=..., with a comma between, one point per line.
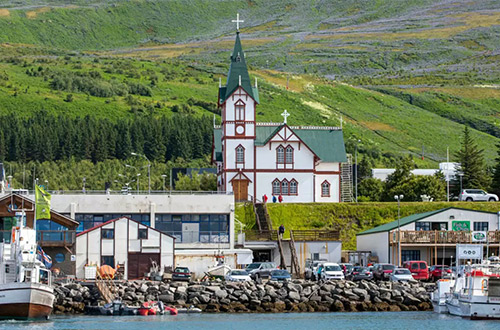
x=285, y=115
x=237, y=21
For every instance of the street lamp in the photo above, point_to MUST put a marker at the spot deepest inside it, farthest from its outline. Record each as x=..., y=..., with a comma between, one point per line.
x=149, y=169
x=356, y=169
x=138, y=175
x=399, y=198
x=164, y=176
x=47, y=185
x=460, y=175
x=83, y=186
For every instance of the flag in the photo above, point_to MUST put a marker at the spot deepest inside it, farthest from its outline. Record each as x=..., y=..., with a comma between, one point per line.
x=42, y=203
x=43, y=257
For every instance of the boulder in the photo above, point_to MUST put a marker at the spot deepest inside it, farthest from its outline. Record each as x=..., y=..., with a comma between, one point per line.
x=294, y=295
x=166, y=298
x=221, y=294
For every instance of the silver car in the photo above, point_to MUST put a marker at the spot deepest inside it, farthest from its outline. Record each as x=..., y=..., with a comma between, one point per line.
x=476, y=195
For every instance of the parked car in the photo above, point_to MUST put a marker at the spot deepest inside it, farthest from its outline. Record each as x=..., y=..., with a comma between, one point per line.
x=280, y=275
x=401, y=274
x=419, y=269
x=260, y=269
x=383, y=271
x=346, y=268
x=360, y=273
x=439, y=271
x=312, y=271
x=473, y=195
x=181, y=274
x=238, y=275
x=331, y=271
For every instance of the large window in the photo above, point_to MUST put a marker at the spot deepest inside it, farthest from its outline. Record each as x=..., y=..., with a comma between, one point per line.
x=108, y=233
x=108, y=260
x=294, y=187
x=212, y=228
x=239, y=111
x=284, y=187
x=47, y=230
x=88, y=221
x=289, y=155
x=481, y=226
x=422, y=225
x=280, y=155
x=325, y=189
x=276, y=187
x=240, y=155
x=408, y=255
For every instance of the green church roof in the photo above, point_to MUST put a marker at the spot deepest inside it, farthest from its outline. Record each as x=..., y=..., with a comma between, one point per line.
x=238, y=69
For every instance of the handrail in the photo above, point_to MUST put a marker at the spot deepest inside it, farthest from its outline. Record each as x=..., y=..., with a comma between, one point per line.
x=299, y=235
x=106, y=287
x=257, y=218
x=439, y=236
x=125, y=192
x=295, y=259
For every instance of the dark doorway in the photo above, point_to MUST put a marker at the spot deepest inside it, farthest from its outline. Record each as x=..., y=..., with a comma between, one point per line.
x=262, y=256
x=140, y=263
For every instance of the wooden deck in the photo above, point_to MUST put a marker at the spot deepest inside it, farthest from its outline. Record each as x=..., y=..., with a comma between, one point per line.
x=437, y=237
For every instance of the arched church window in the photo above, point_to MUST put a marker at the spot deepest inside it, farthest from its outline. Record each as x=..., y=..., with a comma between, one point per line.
x=325, y=189
x=280, y=155
x=240, y=154
x=289, y=155
x=284, y=187
x=239, y=111
x=294, y=187
x=276, y=187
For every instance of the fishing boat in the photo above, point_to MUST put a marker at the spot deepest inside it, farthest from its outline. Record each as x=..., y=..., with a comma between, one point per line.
x=25, y=282
x=438, y=297
x=476, y=294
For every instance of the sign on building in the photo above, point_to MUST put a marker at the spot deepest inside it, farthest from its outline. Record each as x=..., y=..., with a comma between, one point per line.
x=470, y=251
x=479, y=236
x=460, y=225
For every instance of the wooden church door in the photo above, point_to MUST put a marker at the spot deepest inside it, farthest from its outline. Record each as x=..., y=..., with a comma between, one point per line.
x=240, y=189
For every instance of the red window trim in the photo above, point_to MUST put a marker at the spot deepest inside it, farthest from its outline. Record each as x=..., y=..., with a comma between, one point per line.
x=329, y=189
x=280, y=183
x=236, y=154
x=293, y=154
x=290, y=186
x=284, y=162
x=277, y=158
x=236, y=104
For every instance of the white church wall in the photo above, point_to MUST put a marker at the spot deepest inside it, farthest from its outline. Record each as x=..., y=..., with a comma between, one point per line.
x=321, y=167
x=249, y=106
x=334, y=180
x=231, y=146
x=303, y=158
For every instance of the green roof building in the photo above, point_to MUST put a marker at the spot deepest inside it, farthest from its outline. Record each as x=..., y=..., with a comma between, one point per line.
x=264, y=160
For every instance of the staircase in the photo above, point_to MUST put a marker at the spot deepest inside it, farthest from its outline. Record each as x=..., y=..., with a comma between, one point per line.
x=295, y=259
x=282, y=253
x=346, y=180
x=106, y=287
x=262, y=219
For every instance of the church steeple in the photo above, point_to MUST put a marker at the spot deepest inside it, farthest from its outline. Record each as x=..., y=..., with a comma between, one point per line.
x=238, y=74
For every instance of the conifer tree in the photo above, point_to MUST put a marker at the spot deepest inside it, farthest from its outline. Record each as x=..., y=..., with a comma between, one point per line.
x=495, y=185
x=472, y=163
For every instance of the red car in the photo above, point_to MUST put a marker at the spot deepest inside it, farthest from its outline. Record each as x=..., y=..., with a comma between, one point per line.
x=419, y=269
x=438, y=271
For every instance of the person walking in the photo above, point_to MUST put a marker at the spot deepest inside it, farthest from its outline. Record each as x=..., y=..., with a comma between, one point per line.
x=274, y=199
x=280, y=199
x=264, y=198
x=281, y=231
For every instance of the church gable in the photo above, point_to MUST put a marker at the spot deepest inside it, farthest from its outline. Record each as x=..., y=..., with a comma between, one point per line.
x=285, y=134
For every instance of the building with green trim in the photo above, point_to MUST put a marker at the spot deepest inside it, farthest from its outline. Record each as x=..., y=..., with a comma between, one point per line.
x=431, y=236
x=298, y=163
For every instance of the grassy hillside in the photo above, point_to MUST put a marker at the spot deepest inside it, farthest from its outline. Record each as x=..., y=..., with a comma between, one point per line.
x=348, y=218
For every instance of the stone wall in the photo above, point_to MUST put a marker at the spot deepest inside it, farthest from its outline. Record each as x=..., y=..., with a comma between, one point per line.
x=295, y=296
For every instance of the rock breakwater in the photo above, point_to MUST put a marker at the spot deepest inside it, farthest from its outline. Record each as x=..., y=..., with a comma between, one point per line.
x=273, y=297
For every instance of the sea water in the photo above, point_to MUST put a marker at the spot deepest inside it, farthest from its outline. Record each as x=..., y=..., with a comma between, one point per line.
x=288, y=321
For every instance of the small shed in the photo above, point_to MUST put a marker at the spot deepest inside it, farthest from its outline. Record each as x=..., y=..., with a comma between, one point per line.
x=125, y=242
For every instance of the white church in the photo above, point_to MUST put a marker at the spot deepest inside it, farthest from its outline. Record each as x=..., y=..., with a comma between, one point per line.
x=302, y=164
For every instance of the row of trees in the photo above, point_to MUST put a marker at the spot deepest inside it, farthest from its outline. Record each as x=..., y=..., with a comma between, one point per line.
x=472, y=169
x=46, y=137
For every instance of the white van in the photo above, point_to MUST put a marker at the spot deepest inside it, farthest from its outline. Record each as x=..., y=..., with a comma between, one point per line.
x=332, y=271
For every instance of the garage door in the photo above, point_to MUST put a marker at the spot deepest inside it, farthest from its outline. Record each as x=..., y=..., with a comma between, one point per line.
x=140, y=263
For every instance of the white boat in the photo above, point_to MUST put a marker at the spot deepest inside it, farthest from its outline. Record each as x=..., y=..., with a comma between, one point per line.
x=476, y=295
x=25, y=283
x=438, y=297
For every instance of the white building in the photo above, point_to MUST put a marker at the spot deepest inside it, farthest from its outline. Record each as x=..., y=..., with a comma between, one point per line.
x=448, y=169
x=431, y=236
x=126, y=242
x=201, y=222
x=302, y=164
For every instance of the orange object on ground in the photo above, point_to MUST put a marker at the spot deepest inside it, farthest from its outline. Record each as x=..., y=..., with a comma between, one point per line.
x=107, y=272
x=172, y=310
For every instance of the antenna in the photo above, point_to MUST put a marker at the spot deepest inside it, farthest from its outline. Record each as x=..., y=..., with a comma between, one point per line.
x=214, y=120
x=255, y=82
x=239, y=80
x=220, y=82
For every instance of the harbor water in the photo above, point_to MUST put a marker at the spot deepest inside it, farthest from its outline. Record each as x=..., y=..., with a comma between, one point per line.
x=288, y=321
